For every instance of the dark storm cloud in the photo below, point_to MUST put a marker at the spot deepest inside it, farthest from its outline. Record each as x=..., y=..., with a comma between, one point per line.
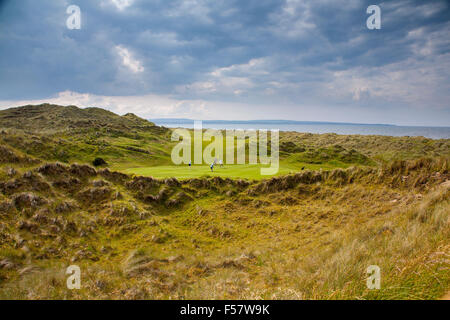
x=280, y=52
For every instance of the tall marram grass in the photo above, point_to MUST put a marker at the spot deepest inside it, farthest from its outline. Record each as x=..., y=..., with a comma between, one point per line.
x=411, y=247
x=247, y=246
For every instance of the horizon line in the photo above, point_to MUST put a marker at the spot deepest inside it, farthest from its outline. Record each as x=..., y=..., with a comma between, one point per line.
x=293, y=122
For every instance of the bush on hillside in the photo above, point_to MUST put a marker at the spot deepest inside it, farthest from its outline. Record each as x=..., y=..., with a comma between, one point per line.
x=99, y=162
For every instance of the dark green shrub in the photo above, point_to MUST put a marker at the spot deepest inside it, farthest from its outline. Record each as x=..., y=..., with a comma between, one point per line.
x=99, y=162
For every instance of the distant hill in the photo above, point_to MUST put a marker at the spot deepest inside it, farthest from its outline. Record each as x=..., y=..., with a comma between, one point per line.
x=273, y=122
x=55, y=117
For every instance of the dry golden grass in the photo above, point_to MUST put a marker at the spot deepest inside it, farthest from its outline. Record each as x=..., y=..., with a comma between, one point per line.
x=310, y=235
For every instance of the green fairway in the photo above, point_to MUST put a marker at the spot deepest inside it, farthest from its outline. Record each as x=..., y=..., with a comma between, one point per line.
x=245, y=171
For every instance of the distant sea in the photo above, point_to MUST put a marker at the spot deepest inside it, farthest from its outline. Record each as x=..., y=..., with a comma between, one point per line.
x=314, y=127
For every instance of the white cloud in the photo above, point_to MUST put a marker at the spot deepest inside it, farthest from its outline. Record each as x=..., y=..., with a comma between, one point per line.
x=294, y=21
x=361, y=93
x=426, y=42
x=393, y=11
x=198, y=9
x=235, y=79
x=128, y=61
x=420, y=84
x=122, y=4
x=222, y=85
x=254, y=66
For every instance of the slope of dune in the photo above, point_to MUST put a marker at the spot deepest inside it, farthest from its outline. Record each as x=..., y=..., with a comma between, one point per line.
x=54, y=117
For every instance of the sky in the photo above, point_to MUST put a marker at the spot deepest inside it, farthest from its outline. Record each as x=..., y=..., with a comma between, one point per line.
x=307, y=60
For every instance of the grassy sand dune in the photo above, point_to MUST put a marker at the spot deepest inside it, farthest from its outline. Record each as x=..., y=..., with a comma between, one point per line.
x=305, y=234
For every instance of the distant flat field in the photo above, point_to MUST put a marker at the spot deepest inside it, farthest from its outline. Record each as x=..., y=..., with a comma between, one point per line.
x=245, y=171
